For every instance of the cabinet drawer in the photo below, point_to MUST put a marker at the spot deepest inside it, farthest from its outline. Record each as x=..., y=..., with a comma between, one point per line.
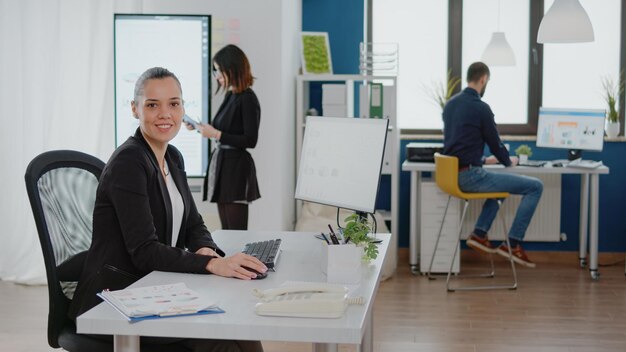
x=431, y=236
x=430, y=190
x=434, y=221
x=447, y=233
x=445, y=249
x=438, y=208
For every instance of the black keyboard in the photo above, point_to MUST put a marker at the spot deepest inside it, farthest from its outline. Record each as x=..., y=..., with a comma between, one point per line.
x=534, y=163
x=265, y=251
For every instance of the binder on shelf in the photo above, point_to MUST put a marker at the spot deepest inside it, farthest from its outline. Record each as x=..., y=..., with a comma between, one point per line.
x=154, y=302
x=376, y=100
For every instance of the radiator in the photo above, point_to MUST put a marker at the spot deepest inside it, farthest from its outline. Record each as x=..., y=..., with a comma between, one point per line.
x=545, y=225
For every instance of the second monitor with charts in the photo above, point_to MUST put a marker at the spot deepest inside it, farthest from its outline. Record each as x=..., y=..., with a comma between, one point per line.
x=571, y=129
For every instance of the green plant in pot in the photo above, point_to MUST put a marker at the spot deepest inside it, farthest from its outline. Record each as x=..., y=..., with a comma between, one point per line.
x=612, y=91
x=523, y=152
x=357, y=230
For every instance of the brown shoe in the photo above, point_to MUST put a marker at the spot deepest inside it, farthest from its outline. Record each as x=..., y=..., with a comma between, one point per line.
x=519, y=255
x=481, y=244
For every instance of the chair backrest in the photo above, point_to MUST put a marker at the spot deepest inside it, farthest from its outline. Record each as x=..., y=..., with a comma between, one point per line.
x=447, y=174
x=61, y=187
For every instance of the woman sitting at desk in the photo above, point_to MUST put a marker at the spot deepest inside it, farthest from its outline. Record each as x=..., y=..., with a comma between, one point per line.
x=145, y=218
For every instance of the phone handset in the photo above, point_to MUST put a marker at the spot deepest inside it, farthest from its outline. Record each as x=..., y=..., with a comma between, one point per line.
x=305, y=300
x=268, y=295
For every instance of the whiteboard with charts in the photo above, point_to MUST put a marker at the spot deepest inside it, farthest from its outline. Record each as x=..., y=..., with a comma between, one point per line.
x=180, y=43
x=341, y=160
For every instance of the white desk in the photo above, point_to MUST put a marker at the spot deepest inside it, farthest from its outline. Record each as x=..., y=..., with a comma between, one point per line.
x=299, y=261
x=589, y=200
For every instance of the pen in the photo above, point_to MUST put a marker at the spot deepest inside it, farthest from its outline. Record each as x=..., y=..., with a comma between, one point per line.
x=333, y=237
x=346, y=238
x=324, y=237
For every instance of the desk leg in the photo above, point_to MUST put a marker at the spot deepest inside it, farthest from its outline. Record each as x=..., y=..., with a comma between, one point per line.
x=583, y=219
x=414, y=214
x=367, y=342
x=593, y=228
x=325, y=347
x=125, y=343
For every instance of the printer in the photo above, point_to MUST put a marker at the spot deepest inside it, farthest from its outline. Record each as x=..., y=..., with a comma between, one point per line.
x=423, y=152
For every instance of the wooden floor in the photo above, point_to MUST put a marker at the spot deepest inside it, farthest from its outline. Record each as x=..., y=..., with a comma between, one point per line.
x=556, y=308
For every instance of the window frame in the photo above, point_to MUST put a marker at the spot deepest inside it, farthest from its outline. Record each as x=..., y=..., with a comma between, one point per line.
x=622, y=68
x=535, y=67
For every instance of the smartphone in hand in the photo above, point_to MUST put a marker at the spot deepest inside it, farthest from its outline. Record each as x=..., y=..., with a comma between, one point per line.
x=191, y=121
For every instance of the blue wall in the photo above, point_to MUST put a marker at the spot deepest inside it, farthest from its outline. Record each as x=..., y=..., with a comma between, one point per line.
x=343, y=20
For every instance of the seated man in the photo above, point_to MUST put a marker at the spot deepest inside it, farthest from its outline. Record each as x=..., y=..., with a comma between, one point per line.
x=468, y=125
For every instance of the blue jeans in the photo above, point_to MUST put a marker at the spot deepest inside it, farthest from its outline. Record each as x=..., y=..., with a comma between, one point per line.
x=477, y=179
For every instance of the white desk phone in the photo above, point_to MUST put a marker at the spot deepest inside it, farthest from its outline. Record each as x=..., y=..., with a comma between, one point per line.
x=306, y=300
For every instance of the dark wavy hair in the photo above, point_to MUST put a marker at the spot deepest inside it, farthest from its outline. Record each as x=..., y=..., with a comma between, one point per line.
x=235, y=67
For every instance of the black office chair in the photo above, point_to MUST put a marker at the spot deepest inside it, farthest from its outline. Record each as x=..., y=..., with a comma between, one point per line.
x=61, y=187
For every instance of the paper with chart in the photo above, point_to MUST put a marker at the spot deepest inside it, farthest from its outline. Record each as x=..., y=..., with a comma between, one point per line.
x=163, y=300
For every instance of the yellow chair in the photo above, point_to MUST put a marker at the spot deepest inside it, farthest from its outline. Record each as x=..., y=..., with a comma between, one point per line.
x=447, y=179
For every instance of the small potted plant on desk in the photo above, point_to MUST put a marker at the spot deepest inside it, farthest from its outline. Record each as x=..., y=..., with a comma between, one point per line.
x=523, y=152
x=357, y=230
x=612, y=92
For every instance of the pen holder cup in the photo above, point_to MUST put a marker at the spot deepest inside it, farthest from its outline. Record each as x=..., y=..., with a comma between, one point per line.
x=341, y=263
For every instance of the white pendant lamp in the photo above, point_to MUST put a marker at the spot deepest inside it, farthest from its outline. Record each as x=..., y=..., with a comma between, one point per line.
x=498, y=52
x=565, y=22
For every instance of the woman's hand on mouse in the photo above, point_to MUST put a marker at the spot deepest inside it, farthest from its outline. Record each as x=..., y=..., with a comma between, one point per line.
x=233, y=266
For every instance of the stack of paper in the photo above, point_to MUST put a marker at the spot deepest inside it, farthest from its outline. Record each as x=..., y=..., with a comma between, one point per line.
x=159, y=301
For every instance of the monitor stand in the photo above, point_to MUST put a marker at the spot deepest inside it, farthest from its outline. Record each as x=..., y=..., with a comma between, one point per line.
x=361, y=214
x=574, y=154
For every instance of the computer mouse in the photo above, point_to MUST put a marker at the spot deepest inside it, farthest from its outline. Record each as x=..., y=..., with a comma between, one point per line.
x=259, y=275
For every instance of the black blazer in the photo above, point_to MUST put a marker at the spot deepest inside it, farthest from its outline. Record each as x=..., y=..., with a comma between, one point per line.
x=132, y=224
x=238, y=118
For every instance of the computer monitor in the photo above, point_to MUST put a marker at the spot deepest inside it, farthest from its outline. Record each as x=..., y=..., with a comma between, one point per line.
x=341, y=160
x=572, y=129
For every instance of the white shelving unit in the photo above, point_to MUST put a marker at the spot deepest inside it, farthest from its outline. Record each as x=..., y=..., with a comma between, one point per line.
x=392, y=157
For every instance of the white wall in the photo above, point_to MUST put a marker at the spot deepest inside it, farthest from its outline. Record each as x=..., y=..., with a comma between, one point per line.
x=268, y=35
x=56, y=61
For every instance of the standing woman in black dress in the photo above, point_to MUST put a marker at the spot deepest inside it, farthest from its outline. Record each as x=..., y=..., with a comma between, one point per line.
x=231, y=176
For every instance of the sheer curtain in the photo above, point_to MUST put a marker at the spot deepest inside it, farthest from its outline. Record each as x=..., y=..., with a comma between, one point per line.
x=56, y=92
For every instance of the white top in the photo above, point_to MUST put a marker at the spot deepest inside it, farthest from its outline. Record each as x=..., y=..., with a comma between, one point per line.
x=178, y=207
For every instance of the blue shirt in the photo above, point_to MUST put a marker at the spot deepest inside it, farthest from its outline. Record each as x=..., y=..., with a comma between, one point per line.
x=467, y=125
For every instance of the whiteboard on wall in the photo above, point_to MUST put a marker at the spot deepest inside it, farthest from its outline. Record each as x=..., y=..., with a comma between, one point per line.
x=180, y=43
x=341, y=160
